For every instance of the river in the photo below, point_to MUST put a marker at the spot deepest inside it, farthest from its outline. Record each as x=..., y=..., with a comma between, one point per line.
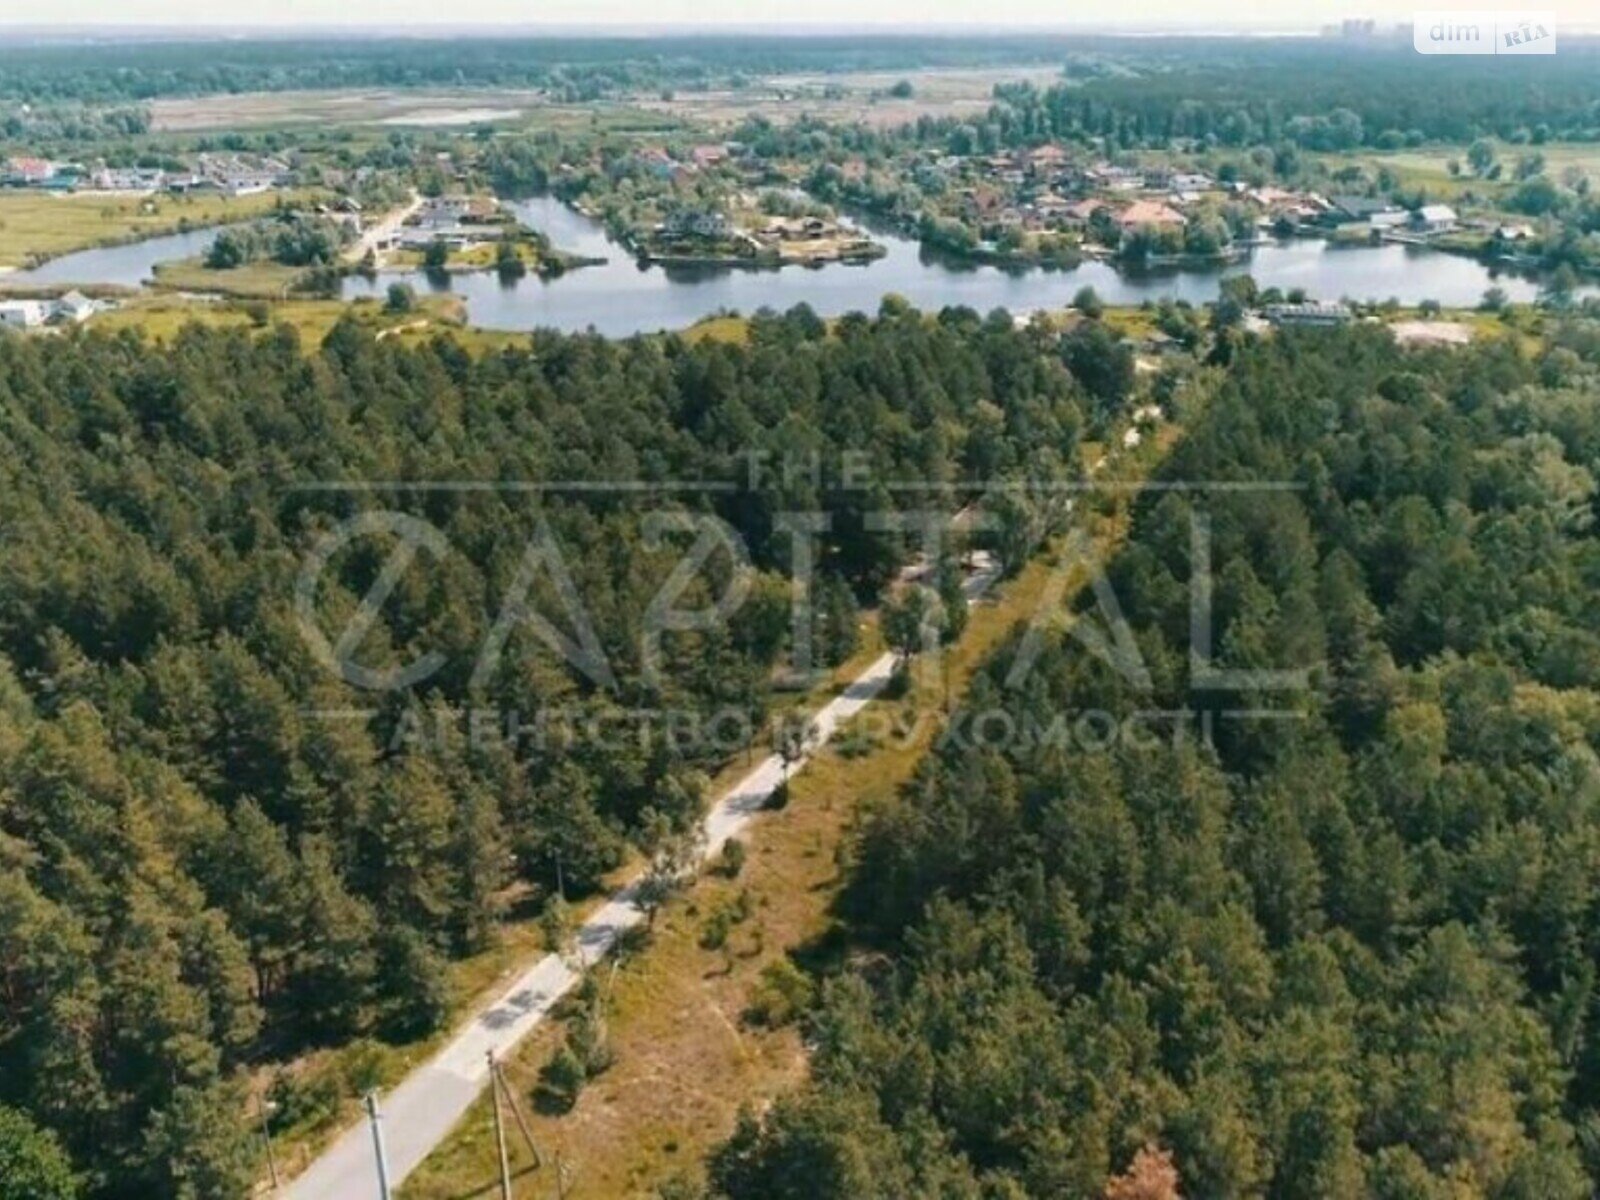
x=129, y=265
x=621, y=297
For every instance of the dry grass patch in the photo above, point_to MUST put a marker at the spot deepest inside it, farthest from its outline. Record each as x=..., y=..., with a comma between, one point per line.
x=162, y=317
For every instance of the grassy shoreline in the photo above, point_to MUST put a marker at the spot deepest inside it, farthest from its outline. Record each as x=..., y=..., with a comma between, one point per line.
x=38, y=227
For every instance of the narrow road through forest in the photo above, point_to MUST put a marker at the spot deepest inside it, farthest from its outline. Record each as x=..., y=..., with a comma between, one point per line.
x=422, y=1109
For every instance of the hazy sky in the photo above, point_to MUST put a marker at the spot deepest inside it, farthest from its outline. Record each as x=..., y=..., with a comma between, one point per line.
x=1161, y=14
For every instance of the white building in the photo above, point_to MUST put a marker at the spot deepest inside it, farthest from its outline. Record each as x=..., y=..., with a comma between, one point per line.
x=697, y=223
x=1434, y=218
x=22, y=314
x=1313, y=313
x=127, y=179
x=73, y=309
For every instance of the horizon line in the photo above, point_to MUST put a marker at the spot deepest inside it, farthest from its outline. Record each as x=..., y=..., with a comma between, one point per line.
x=798, y=28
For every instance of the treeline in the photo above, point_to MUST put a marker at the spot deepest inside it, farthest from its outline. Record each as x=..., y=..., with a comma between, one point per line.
x=1286, y=95
x=572, y=68
x=1322, y=95
x=292, y=240
x=1343, y=947
x=32, y=126
x=213, y=849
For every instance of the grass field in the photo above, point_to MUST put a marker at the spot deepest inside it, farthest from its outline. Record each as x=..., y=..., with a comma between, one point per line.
x=37, y=225
x=162, y=317
x=377, y=110
x=846, y=97
x=258, y=280
x=687, y=1060
x=1429, y=167
x=849, y=96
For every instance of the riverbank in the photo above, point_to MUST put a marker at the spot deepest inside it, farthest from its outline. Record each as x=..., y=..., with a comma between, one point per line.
x=37, y=228
x=772, y=261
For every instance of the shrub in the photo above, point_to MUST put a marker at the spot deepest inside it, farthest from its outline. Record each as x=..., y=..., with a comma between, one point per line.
x=590, y=1043
x=362, y=1066
x=714, y=934
x=561, y=1081
x=785, y=991
x=309, y=1101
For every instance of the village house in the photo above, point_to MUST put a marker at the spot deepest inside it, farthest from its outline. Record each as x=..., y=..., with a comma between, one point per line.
x=136, y=180
x=697, y=223
x=22, y=314
x=1150, y=212
x=981, y=202
x=71, y=309
x=1315, y=313
x=1271, y=197
x=1434, y=218
x=345, y=210
x=187, y=181
x=457, y=221
x=247, y=182
x=1079, y=213
x=74, y=308
x=1005, y=168
x=1304, y=209
x=449, y=211
x=1350, y=208
x=413, y=237
x=706, y=157
x=1052, y=208
x=656, y=161
x=23, y=171
x=1114, y=179
x=795, y=229
x=478, y=210
x=1042, y=160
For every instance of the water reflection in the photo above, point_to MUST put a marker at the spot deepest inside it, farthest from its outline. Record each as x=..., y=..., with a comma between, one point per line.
x=130, y=266
x=621, y=296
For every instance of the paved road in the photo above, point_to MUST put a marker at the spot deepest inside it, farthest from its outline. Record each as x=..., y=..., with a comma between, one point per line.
x=382, y=229
x=421, y=1111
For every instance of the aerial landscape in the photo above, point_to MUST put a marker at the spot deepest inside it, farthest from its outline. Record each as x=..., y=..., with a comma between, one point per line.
x=880, y=602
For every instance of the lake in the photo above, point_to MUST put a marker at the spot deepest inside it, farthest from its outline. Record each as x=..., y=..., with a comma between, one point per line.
x=621, y=297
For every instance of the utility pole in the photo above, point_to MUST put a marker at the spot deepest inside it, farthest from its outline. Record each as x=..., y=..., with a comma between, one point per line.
x=264, y=1107
x=561, y=1178
x=499, y=1130
x=375, y=1119
x=516, y=1112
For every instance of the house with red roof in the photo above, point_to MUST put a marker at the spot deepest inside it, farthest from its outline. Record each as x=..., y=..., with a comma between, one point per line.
x=1150, y=212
